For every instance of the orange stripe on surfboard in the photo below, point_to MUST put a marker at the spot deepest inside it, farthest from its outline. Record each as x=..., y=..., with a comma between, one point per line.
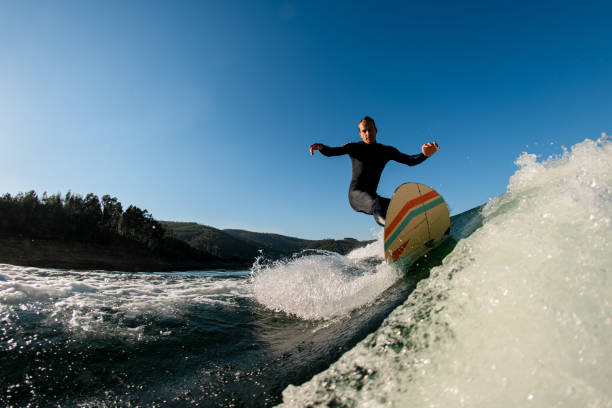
x=406, y=208
x=396, y=254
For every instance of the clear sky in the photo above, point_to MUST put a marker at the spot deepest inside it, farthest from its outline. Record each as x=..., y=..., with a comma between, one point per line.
x=203, y=111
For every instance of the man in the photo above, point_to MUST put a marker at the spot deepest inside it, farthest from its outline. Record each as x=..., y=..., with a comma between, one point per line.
x=369, y=159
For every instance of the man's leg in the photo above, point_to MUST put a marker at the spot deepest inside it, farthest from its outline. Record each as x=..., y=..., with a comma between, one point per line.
x=368, y=203
x=379, y=210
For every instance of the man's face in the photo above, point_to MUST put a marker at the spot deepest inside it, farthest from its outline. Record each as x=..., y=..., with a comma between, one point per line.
x=367, y=132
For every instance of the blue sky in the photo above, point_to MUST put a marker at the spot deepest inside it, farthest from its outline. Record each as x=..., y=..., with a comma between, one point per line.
x=203, y=111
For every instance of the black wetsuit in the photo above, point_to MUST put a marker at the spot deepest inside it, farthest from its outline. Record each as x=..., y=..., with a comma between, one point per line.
x=368, y=161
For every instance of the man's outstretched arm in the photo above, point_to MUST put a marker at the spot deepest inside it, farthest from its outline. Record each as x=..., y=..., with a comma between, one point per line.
x=428, y=149
x=328, y=151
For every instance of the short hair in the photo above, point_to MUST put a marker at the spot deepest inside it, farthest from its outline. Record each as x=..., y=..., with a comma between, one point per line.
x=368, y=120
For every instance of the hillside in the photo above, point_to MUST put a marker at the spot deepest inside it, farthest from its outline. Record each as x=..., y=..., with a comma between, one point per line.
x=86, y=232
x=290, y=245
x=211, y=240
x=241, y=244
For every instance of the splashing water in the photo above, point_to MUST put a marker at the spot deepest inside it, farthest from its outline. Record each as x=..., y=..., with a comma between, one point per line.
x=518, y=314
x=107, y=304
x=324, y=285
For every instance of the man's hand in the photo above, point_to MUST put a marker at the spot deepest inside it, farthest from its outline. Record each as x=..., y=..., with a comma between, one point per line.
x=315, y=146
x=428, y=149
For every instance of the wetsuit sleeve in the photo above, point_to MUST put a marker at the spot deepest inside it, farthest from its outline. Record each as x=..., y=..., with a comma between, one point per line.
x=335, y=151
x=410, y=160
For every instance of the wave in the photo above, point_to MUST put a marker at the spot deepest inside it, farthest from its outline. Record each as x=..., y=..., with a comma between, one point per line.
x=518, y=313
x=321, y=285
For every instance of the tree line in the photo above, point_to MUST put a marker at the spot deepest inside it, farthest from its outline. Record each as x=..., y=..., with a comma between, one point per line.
x=86, y=219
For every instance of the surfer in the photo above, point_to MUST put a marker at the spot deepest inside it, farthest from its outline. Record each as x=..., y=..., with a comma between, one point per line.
x=369, y=159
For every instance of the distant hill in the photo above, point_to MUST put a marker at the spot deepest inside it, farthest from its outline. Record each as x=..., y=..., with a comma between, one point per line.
x=290, y=245
x=240, y=244
x=86, y=232
x=211, y=240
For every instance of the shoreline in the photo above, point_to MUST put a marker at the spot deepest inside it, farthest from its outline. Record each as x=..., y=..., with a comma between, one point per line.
x=43, y=253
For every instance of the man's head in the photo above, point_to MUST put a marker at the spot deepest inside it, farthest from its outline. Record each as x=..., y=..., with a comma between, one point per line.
x=367, y=130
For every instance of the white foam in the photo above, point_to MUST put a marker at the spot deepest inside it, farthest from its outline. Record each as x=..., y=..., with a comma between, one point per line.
x=98, y=303
x=374, y=250
x=519, y=314
x=324, y=285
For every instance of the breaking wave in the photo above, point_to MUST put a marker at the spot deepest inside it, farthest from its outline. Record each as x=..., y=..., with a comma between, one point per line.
x=518, y=314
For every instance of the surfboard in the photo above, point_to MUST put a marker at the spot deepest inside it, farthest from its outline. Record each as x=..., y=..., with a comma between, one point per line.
x=417, y=221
